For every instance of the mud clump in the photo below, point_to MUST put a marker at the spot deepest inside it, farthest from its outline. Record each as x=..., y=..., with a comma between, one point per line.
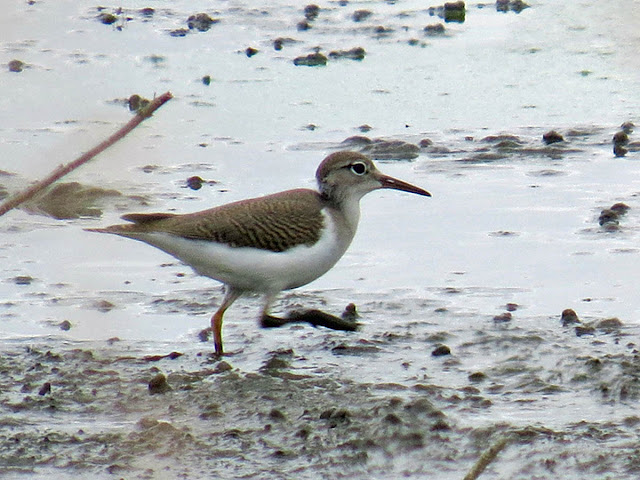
x=312, y=60
x=434, y=29
x=201, y=22
x=552, y=137
x=158, y=385
x=504, y=317
x=609, y=218
x=440, y=351
x=70, y=200
x=107, y=18
x=515, y=6
x=16, y=66
x=361, y=15
x=380, y=149
x=569, y=317
x=356, y=53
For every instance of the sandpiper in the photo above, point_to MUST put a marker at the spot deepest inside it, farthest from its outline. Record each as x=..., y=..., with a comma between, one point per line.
x=268, y=244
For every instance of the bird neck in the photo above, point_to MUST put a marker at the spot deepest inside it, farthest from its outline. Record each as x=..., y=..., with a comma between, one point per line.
x=345, y=207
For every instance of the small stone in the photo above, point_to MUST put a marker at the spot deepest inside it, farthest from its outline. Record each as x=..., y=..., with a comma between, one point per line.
x=454, y=5
x=511, y=307
x=619, y=151
x=311, y=60
x=276, y=414
x=434, y=29
x=206, y=80
x=356, y=53
x=440, y=426
x=586, y=330
x=392, y=419
x=201, y=22
x=620, y=138
x=360, y=15
x=103, y=306
x=159, y=384
x=552, y=137
x=503, y=317
x=356, y=141
x=195, y=182
x=250, y=51
x=16, y=66
x=136, y=102
x=425, y=142
x=222, y=367
x=620, y=208
x=608, y=217
x=65, y=325
x=568, y=317
x=477, y=377
x=440, y=351
x=350, y=313
x=179, y=32
x=627, y=127
x=107, y=18
x=454, y=12
x=311, y=12
x=23, y=280
x=46, y=388
x=610, y=324
x=303, y=26
x=275, y=363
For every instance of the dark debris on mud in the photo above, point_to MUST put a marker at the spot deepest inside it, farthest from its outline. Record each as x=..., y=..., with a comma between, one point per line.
x=95, y=413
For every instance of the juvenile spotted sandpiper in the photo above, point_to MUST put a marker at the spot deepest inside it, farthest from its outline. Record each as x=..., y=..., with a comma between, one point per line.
x=268, y=244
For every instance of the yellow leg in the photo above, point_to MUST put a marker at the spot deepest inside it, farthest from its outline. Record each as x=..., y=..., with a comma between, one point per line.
x=216, y=320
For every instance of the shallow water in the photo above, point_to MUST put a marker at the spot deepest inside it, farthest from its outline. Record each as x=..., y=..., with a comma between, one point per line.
x=511, y=221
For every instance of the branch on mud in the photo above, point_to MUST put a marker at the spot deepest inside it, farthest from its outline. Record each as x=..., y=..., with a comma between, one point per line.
x=143, y=113
x=487, y=457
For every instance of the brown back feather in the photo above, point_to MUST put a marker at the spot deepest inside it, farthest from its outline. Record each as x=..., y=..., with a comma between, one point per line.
x=275, y=222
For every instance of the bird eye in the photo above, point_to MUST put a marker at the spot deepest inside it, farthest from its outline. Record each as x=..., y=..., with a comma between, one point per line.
x=359, y=168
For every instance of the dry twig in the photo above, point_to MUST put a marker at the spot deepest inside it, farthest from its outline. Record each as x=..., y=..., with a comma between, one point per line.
x=487, y=457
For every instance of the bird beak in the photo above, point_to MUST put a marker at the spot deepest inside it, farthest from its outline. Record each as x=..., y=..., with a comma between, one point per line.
x=395, y=184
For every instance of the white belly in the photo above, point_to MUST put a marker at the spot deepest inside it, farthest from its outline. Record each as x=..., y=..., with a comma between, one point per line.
x=252, y=269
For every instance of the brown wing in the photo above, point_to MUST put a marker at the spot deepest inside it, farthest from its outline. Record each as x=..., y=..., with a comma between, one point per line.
x=275, y=222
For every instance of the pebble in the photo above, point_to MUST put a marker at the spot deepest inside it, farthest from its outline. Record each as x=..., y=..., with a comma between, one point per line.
x=503, y=317
x=552, y=137
x=159, y=384
x=16, y=66
x=201, y=22
x=195, y=182
x=440, y=351
x=568, y=317
x=311, y=60
x=311, y=12
x=45, y=389
x=434, y=29
x=356, y=53
x=360, y=15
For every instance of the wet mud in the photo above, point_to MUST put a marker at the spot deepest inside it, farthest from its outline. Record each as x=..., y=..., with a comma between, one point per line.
x=108, y=410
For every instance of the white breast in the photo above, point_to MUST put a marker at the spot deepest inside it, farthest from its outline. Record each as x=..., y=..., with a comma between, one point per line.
x=252, y=269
